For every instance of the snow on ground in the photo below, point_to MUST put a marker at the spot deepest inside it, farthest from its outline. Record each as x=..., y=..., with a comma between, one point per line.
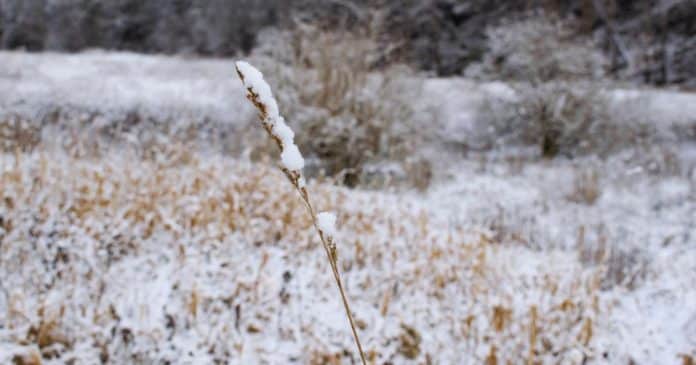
x=113, y=82
x=194, y=87
x=649, y=223
x=198, y=257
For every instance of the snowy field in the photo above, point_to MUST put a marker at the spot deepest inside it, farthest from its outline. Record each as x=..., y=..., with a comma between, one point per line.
x=191, y=254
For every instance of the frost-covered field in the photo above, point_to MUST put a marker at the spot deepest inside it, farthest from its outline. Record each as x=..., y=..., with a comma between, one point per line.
x=186, y=254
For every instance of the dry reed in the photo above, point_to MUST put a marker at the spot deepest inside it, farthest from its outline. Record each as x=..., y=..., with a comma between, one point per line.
x=297, y=180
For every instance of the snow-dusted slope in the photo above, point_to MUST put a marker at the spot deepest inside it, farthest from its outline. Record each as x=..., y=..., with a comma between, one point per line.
x=117, y=82
x=109, y=81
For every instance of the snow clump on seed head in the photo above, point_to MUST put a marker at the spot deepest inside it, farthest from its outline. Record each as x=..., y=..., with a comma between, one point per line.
x=253, y=81
x=260, y=93
x=326, y=221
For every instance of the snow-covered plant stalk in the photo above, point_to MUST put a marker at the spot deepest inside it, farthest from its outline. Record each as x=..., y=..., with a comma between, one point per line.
x=259, y=93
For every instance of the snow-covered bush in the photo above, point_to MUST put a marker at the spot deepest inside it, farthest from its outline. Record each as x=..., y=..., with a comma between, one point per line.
x=539, y=49
x=557, y=105
x=353, y=115
x=559, y=117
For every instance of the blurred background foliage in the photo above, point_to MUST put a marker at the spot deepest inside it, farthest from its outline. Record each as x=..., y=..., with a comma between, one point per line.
x=645, y=41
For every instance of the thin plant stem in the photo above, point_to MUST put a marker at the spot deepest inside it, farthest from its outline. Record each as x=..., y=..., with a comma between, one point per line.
x=295, y=177
x=337, y=276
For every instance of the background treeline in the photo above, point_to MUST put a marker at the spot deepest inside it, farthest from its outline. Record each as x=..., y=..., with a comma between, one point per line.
x=649, y=41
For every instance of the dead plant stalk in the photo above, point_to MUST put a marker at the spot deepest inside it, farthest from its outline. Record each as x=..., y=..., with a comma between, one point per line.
x=296, y=179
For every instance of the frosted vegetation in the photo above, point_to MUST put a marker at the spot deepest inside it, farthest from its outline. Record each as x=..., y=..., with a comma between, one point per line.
x=259, y=94
x=253, y=80
x=143, y=219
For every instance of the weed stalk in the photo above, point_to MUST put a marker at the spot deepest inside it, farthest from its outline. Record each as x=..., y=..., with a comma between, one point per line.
x=255, y=87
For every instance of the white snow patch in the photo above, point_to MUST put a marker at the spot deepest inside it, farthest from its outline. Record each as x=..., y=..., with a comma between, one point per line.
x=283, y=132
x=292, y=158
x=253, y=79
x=327, y=223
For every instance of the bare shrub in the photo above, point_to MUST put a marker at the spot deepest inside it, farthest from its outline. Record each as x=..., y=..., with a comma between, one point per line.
x=557, y=106
x=563, y=118
x=354, y=115
x=558, y=117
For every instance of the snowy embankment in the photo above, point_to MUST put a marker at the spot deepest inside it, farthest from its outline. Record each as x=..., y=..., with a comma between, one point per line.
x=195, y=257
x=460, y=99
x=118, y=82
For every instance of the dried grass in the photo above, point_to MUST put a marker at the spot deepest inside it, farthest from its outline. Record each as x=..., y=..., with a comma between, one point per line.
x=586, y=187
x=111, y=212
x=17, y=133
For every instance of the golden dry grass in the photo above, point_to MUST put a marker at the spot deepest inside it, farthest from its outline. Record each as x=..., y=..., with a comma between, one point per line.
x=399, y=258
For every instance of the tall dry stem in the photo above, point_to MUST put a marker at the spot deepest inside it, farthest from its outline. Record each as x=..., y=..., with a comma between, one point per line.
x=257, y=93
